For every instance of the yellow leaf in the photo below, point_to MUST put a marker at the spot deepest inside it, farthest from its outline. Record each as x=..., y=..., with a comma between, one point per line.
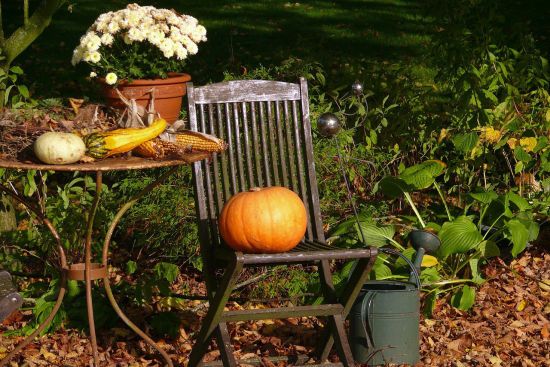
x=528, y=143
x=495, y=360
x=428, y=261
x=521, y=305
x=545, y=285
x=548, y=115
x=76, y=103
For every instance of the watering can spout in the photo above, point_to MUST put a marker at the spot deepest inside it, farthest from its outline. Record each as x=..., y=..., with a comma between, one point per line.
x=423, y=242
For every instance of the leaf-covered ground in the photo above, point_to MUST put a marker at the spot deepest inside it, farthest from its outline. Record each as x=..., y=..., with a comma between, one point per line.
x=508, y=326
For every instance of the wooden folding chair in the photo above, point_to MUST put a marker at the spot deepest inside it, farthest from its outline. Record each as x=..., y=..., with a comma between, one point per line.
x=266, y=125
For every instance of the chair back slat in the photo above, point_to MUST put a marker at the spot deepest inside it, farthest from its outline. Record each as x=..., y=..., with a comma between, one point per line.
x=266, y=126
x=258, y=148
x=247, y=145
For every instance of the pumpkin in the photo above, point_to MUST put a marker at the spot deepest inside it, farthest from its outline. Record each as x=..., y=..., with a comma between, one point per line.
x=59, y=148
x=263, y=220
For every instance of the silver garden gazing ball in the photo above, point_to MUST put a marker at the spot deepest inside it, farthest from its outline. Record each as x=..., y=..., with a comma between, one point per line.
x=357, y=88
x=328, y=124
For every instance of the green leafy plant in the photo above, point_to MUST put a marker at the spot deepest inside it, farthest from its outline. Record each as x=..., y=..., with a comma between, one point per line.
x=13, y=93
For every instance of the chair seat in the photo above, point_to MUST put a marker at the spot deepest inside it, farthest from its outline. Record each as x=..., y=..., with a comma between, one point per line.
x=282, y=312
x=306, y=251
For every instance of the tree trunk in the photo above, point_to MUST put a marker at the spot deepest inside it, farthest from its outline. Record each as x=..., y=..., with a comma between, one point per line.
x=7, y=214
x=23, y=36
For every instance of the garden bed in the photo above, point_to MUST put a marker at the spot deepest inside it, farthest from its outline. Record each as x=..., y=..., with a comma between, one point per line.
x=508, y=326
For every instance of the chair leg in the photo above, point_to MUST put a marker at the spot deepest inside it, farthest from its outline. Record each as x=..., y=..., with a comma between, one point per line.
x=224, y=344
x=357, y=278
x=212, y=319
x=336, y=323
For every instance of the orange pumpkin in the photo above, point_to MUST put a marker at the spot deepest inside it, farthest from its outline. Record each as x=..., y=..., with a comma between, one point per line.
x=263, y=220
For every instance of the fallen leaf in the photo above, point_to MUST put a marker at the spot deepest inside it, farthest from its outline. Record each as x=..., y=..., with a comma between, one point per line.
x=76, y=103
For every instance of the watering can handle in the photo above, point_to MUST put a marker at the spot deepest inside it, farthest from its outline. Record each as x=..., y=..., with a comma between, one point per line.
x=414, y=271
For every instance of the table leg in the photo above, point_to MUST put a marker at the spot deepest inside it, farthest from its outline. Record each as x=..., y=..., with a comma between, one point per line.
x=88, y=266
x=105, y=260
x=63, y=266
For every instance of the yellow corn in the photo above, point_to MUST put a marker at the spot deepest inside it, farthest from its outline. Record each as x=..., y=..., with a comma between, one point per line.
x=199, y=141
x=157, y=149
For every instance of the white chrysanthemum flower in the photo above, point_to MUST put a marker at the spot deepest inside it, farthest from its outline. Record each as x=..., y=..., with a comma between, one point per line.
x=158, y=15
x=77, y=55
x=186, y=28
x=155, y=37
x=196, y=35
x=107, y=39
x=102, y=26
x=189, y=45
x=167, y=47
x=175, y=34
x=133, y=18
x=113, y=27
x=181, y=52
x=93, y=74
x=94, y=57
x=135, y=34
x=164, y=28
x=191, y=20
x=111, y=78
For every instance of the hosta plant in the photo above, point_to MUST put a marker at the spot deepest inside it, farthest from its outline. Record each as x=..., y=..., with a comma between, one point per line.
x=487, y=222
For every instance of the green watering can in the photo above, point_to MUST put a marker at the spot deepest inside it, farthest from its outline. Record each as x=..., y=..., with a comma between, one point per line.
x=385, y=317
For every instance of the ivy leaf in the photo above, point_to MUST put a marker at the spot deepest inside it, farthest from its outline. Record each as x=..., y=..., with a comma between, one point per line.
x=167, y=271
x=131, y=267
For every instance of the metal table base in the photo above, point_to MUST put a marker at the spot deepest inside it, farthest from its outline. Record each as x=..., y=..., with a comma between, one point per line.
x=88, y=271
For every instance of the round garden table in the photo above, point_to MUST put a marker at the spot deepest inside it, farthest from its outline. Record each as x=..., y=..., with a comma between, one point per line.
x=89, y=271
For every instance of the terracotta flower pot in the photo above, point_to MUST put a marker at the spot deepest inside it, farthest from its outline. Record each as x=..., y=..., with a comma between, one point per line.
x=168, y=94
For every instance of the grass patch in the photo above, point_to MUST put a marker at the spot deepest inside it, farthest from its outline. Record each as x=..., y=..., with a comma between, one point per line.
x=343, y=36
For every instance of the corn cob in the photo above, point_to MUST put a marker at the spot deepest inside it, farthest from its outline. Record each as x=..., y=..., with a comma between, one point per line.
x=105, y=144
x=158, y=149
x=199, y=141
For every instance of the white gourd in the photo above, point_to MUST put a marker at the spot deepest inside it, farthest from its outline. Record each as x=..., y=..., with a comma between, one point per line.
x=59, y=148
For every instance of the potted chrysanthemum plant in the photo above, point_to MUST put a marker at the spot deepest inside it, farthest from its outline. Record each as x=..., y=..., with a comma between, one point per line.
x=139, y=53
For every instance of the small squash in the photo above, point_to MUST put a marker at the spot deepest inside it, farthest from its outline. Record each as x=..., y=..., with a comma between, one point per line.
x=107, y=143
x=59, y=148
x=263, y=220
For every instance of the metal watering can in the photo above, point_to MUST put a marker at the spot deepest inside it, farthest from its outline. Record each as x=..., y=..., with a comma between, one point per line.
x=385, y=317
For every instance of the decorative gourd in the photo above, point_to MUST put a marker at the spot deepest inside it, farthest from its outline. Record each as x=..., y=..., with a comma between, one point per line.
x=107, y=143
x=59, y=148
x=263, y=220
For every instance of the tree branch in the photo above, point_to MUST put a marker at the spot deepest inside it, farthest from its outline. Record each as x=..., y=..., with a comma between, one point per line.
x=23, y=36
